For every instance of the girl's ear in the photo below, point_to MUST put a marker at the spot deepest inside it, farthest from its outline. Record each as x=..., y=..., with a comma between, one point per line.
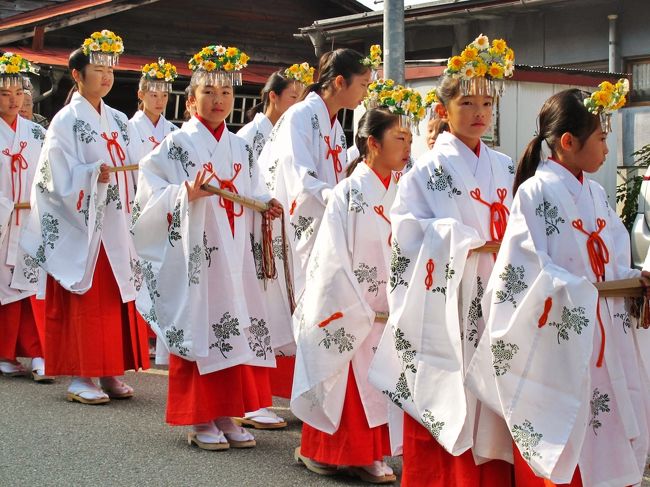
x=373, y=144
x=441, y=111
x=76, y=75
x=567, y=141
x=140, y=95
x=273, y=97
x=339, y=82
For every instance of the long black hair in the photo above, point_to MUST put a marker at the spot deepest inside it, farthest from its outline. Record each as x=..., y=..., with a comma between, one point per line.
x=341, y=62
x=375, y=122
x=561, y=113
x=77, y=60
x=276, y=83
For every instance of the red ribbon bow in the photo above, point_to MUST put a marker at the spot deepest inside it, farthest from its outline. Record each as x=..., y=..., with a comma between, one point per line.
x=229, y=185
x=380, y=211
x=115, y=151
x=334, y=152
x=18, y=164
x=428, y=281
x=153, y=140
x=498, y=212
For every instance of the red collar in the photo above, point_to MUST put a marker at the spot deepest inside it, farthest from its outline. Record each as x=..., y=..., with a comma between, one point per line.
x=477, y=149
x=580, y=177
x=216, y=133
x=385, y=181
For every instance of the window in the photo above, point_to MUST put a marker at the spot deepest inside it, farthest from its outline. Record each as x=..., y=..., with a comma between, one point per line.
x=640, y=89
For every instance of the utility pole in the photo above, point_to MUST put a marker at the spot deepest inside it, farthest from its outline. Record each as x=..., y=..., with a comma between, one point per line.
x=394, y=40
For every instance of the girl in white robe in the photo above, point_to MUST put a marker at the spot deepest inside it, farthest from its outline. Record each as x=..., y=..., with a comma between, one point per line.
x=200, y=290
x=20, y=315
x=149, y=122
x=302, y=161
x=455, y=199
x=78, y=232
x=344, y=416
x=565, y=368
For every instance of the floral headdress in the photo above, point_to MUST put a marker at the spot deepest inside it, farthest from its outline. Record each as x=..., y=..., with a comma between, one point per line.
x=609, y=98
x=481, y=67
x=373, y=60
x=13, y=70
x=158, y=76
x=430, y=102
x=219, y=65
x=103, y=48
x=302, y=73
x=402, y=101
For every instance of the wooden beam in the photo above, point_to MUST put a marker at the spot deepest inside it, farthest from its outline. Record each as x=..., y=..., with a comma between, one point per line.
x=26, y=31
x=38, y=42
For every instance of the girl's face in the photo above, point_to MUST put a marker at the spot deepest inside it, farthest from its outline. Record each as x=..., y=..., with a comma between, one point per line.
x=469, y=117
x=154, y=102
x=94, y=81
x=394, y=150
x=352, y=94
x=587, y=157
x=289, y=96
x=11, y=101
x=213, y=103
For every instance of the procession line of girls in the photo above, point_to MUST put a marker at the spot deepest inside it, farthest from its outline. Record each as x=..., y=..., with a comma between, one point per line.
x=475, y=350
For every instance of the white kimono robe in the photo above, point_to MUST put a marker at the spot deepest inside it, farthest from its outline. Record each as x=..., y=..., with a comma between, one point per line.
x=435, y=289
x=200, y=293
x=256, y=133
x=303, y=159
x=537, y=363
x=150, y=135
x=346, y=283
x=72, y=213
x=19, y=153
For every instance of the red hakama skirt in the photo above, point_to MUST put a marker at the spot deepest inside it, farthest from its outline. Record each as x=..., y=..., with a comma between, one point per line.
x=93, y=334
x=427, y=464
x=194, y=398
x=525, y=477
x=354, y=443
x=19, y=335
x=282, y=376
x=259, y=386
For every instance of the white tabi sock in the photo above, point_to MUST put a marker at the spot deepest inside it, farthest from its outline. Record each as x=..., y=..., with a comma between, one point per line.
x=209, y=433
x=264, y=416
x=38, y=365
x=86, y=388
x=231, y=430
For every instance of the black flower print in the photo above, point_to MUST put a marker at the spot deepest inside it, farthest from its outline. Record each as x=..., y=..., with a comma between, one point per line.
x=174, y=224
x=30, y=270
x=113, y=194
x=45, y=176
x=475, y=313
x=401, y=392
x=208, y=250
x=258, y=142
x=175, y=339
x=256, y=249
x=124, y=131
x=430, y=423
x=194, y=265
x=513, y=284
x=502, y=354
x=365, y=273
x=84, y=131
x=259, y=339
x=551, y=216
x=527, y=439
x=137, y=276
x=573, y=319
x=223, y=332
x=354, y=199
x=177, y=153
x=150, y=279
x=398, y=266
x=344, y=341
x=625, y=320
x=443, y=181
x=303, y=227
x=599, y=403
x=38, y=133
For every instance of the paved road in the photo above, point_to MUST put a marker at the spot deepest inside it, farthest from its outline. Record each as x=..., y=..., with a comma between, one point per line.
x=47, y=441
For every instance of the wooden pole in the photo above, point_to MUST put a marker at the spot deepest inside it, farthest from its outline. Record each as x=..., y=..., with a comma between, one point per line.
x=130, y=167
x=23, y=205
x=251, y=203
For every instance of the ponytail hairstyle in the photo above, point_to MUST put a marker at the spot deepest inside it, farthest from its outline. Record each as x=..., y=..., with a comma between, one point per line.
x=341, y=62
x=563, y=112
x=374, y=123
x=276, y=83
x=77, y=60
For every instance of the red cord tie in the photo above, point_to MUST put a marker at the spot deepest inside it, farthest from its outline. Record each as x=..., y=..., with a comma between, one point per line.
x=498, y=212
x=548, y=304
x=114, y=146
x=598, y=257
x=398, y=174
x=80, y=200
x=18, y=164
x=428, y=281
x=335, y=316
x=380, y=211
x=293, y=207
x=153, y=140
x=228, y=185
x=334, y=152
